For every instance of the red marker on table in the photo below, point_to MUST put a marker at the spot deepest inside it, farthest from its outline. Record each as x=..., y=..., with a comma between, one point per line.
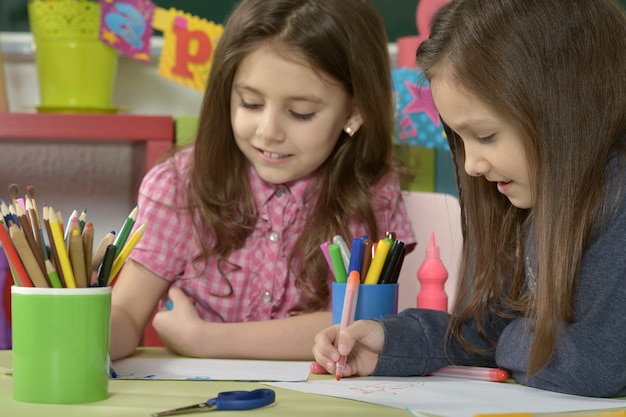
x=473, y=372
x=469, y=372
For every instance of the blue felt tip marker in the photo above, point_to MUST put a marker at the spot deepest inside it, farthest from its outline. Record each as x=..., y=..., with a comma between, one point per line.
x=356, y=254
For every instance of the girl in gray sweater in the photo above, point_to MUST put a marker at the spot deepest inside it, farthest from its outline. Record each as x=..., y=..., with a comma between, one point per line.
x=533, y=98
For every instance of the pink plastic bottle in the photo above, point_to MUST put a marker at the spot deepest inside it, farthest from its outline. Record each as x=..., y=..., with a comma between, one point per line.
x=432, y=276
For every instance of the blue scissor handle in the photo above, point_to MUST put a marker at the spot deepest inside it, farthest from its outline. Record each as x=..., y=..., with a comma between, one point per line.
x=242, y=400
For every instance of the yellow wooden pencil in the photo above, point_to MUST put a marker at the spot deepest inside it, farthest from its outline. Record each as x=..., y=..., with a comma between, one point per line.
x=59, y=243
x=77, y=255
x=126, y=250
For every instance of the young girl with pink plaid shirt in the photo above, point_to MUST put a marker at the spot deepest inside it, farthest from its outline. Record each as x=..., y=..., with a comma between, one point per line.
x=293, y=147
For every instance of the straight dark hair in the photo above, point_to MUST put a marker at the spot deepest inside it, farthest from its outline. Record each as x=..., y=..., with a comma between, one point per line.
x=344, y=41
x=556, y=70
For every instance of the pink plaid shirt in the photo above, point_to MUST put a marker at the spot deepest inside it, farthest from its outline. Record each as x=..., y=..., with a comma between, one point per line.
x=262, y=286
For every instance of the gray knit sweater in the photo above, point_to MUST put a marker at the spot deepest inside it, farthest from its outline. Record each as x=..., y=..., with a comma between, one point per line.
x=590, y=358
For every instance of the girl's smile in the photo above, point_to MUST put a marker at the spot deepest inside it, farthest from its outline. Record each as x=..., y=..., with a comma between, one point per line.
x=504, y=187
x=272, y=157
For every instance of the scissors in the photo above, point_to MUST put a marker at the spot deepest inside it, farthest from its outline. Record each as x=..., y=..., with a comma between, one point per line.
x=229, y=400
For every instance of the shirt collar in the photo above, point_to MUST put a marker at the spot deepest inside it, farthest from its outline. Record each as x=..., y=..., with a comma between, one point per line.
x=264, y=191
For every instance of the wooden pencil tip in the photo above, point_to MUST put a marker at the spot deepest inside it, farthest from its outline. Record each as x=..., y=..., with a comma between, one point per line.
x=14, y=190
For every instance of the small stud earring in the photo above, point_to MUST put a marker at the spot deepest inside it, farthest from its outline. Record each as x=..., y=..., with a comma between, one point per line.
x=350, y=131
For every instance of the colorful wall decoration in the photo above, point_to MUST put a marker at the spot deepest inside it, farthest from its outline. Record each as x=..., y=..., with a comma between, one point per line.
x=189, y=41
x=419, y=136
x=417, y=120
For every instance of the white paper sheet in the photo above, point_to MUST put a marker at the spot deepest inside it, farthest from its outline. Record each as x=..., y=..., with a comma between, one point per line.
x=450, y=397
x=211, y=369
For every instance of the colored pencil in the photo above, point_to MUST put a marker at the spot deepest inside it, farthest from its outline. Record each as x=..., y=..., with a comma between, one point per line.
x=14, y=192
x=73, y=215
x=20, y=276
x=53, y=275
x=35, y=225
x=27, y=230
x=6, y=214
x=125, y=252
x=45, y=252
x=82, y=220
x=28, y=258
x=56, y=262
x=77, y=254
x=98, y=255
x=121, y=237
x=107, y=264
x=87, y=237
x=59, y=243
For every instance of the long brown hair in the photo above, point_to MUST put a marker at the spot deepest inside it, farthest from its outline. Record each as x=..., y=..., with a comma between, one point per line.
x=344, y=40
x=555, y=69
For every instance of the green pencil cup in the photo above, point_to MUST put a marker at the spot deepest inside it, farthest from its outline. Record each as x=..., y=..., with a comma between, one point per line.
x=76, y=71
x=60, y=344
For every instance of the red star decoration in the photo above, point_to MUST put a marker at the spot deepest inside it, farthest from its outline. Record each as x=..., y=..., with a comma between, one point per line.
x=422, y=101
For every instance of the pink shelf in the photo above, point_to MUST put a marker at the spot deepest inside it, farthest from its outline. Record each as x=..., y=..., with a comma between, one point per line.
x=155, y=132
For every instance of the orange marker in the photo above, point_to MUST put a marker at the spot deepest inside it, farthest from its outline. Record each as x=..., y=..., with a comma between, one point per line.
x=347, y=314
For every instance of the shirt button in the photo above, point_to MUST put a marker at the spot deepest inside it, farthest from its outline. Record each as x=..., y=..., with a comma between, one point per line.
x=274, y=237
x=280, y=192
x=266, y=297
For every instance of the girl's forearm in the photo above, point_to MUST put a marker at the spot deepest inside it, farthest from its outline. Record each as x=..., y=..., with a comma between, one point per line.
x=282, y=339
x=124, y=336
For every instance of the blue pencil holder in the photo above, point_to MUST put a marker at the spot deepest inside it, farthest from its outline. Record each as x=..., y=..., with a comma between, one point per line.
x=374, y=301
